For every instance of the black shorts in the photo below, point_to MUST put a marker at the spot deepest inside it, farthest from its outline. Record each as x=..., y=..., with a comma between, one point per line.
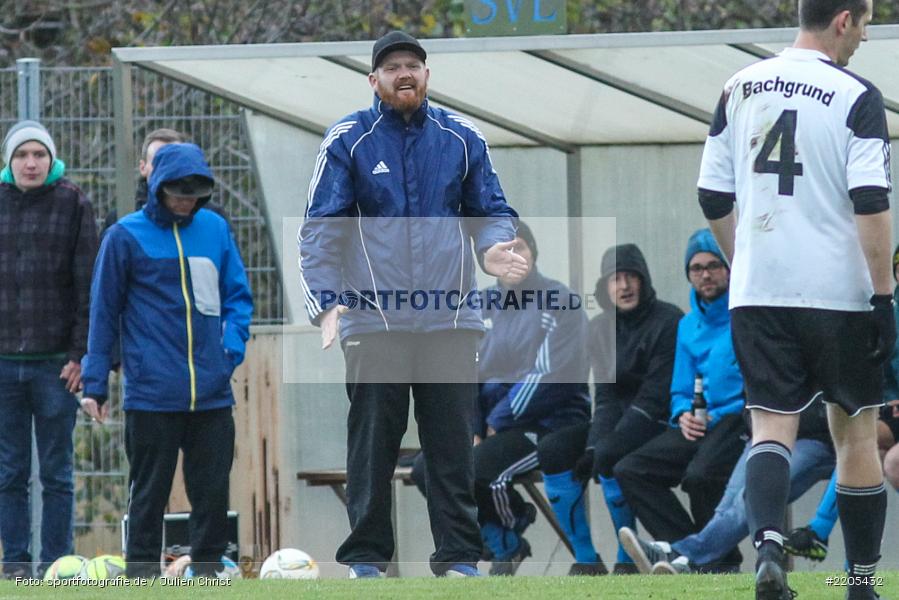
x=787, y=354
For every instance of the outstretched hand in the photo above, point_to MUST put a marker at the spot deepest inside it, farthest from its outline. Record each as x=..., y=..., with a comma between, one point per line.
x=501, y=261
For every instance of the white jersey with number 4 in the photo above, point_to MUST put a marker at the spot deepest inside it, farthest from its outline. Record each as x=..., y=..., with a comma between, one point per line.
x=792, y=135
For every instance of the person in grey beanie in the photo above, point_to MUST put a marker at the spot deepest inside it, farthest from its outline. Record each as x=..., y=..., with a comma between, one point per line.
x=48, y=241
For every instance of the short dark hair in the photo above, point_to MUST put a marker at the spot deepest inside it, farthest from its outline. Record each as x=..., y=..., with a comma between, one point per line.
x=168, y=136
x=816, y=15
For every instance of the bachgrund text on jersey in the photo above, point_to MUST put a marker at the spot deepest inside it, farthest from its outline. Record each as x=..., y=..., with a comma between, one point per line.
x=788, y=89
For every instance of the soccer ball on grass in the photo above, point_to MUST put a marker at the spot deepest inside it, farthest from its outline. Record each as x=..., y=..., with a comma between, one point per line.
x=105, y=566
x=66, y=567
x=289, y=563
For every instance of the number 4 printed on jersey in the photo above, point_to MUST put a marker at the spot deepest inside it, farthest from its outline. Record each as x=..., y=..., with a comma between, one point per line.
x=786, y=168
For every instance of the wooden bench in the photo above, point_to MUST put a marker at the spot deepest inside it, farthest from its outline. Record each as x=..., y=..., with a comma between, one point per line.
x=336, y=480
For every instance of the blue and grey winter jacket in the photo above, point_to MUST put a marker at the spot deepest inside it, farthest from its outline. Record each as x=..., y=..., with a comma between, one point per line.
x=392, y=207
x=178, y=287
x=533, y=364
x=704, y=347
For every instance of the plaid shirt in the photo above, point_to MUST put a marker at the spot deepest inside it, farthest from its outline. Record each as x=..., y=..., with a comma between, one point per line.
x=48, y=243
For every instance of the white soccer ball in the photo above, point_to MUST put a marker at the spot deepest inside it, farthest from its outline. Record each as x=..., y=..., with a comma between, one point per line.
x=289, y=563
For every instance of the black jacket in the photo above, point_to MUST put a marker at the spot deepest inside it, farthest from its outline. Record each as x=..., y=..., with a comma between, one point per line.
x=634, y=349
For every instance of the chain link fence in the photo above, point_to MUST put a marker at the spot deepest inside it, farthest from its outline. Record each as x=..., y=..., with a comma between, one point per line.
x=76, y=106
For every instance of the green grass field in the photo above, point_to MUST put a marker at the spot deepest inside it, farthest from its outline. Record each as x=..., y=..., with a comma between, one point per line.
x=811, y=586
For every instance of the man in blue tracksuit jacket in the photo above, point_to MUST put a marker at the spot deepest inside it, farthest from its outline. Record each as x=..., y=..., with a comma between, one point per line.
x=398, y=193
x=170, y=280
x=695, y=454
x=533, y=372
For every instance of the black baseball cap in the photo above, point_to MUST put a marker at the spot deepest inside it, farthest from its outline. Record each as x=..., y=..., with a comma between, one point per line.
x=393, y=41
x=192, y=186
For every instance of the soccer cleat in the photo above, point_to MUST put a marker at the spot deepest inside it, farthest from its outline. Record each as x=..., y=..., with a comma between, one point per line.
x=14, y=570
x=771, y=582
x=643, y=552
x=364, y=571
x=866, y=593
x=625, y=568
x=675, y=567
x=462, y=570
x=228, y=571
x=588, y=569
x=804, y=542
x=509, y=566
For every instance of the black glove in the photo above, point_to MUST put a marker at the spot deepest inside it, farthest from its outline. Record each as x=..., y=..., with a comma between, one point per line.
x=884, y=326
x=583, y=468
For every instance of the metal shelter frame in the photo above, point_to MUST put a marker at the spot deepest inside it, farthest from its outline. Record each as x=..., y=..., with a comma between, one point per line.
x=562, y=92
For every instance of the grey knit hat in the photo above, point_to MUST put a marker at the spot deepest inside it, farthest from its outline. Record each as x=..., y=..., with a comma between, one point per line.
x=27, y=131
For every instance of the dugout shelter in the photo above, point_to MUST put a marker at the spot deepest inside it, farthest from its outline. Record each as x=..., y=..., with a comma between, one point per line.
x=582, y=128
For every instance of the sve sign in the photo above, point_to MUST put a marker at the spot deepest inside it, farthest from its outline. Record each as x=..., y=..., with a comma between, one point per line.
x=515, y=17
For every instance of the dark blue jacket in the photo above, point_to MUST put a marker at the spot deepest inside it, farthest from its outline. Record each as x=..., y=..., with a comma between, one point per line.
x=532, y=363
x=179, y=289
x=374, y=171
x=704, y=347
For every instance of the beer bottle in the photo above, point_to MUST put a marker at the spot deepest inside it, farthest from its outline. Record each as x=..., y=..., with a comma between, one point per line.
x=700, y=408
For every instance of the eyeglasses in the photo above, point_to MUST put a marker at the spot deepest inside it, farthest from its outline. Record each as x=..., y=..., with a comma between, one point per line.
x=712, y=267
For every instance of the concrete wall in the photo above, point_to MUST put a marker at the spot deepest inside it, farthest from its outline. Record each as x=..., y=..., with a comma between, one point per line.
x=650, y=190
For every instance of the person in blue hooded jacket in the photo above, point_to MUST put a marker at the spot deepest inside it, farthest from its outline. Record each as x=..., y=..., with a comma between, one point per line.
x=402, y=206
x=695, y=454
x=170, y=279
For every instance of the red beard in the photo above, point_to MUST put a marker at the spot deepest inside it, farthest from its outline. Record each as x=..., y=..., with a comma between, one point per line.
x=405, y=103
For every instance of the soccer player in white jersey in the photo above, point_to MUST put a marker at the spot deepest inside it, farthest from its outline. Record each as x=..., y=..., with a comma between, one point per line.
x=801, y=145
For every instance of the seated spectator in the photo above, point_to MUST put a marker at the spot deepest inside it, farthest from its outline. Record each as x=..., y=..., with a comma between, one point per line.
x=631, y=343
x=888, y=441
x=695, y=453
x=533, y=380
x=811, y=541
x=888, y=426
x=813, y=460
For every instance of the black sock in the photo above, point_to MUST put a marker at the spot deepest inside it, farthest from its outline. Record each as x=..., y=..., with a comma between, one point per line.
x=767, y=491
x=862, y=516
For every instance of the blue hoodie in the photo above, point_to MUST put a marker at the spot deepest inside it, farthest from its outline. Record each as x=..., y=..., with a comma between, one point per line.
x=705, y=348
x=178, y=288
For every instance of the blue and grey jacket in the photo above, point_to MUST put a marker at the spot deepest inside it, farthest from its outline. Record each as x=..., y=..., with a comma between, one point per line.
x=391, y=209
x=704, y=347
x=533, y=364
x=178, y=288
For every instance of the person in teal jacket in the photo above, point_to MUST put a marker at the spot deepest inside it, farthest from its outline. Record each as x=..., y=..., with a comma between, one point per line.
x=695, y=454
x=170, y=280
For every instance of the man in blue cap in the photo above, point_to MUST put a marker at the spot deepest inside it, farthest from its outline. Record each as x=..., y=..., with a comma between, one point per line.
x=399, y=193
